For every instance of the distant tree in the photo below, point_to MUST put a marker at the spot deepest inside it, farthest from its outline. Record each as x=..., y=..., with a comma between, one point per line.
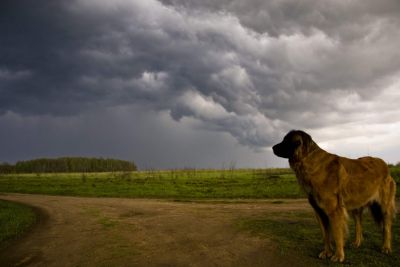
x=69, y=164
x=6, y=168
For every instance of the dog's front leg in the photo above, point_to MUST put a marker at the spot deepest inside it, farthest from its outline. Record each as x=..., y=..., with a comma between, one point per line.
x=338, y=226
x=324, y=224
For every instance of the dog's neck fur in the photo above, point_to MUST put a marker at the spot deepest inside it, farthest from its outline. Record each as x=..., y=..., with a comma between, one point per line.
x=303, y=170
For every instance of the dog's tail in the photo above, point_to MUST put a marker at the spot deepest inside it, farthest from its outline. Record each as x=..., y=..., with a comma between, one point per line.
x=376, y=211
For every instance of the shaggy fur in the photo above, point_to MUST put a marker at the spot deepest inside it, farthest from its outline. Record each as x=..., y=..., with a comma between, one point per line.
x=337, y=186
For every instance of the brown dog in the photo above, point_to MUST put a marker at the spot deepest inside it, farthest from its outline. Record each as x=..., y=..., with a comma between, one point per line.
x=336, y=185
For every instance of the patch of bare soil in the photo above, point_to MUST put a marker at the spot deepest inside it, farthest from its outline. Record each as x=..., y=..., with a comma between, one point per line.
x=75, y=231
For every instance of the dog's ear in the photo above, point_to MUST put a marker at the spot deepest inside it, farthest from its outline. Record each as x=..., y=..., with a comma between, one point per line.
x=307, y=143
x=297, y=143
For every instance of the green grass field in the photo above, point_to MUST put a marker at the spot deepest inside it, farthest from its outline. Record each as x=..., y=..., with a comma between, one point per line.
x=182, y=184
x=15, y=219
x=179, y=184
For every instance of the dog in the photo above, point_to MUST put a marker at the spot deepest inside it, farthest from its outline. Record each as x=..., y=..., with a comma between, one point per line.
x=336, y=186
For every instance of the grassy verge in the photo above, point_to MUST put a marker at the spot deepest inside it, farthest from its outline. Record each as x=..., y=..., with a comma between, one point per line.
x=193, y=184
x=176, y=184
x=15, y=219
x=298, y=235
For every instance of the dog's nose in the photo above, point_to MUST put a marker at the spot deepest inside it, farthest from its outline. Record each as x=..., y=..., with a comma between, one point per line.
x=274, y=148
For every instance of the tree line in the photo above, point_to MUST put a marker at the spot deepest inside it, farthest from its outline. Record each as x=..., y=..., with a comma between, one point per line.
x=68, y=164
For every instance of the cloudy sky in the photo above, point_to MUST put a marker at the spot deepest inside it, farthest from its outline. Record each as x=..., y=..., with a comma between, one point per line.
x=186, y=83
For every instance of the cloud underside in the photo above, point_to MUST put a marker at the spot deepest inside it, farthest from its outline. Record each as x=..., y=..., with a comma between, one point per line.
x=247, y=68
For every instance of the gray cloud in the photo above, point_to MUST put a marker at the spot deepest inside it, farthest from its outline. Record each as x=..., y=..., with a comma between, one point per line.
x=253, y=69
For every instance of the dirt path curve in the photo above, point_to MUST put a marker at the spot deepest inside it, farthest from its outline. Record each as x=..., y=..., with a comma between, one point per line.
x=76, y=231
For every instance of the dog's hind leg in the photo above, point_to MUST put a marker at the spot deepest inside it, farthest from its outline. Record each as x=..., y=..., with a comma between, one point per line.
x=357, y=216
x=388, y=211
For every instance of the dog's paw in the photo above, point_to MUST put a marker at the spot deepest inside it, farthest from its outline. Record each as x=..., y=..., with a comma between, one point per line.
x=337, y=258
x=325, y=254
x=387, y=250
x=356, y=243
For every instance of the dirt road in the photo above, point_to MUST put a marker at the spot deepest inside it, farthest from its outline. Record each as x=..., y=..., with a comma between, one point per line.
x=75, y=231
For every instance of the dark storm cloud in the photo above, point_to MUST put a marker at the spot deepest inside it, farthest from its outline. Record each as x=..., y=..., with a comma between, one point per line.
x=340, y=44
x=151, y=139
x=342, y=19
x=253, y=69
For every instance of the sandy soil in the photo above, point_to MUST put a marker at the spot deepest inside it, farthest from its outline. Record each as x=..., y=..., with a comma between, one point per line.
x=75, y=231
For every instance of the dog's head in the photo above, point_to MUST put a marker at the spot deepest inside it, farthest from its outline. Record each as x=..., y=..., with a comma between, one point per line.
x=295, y=145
